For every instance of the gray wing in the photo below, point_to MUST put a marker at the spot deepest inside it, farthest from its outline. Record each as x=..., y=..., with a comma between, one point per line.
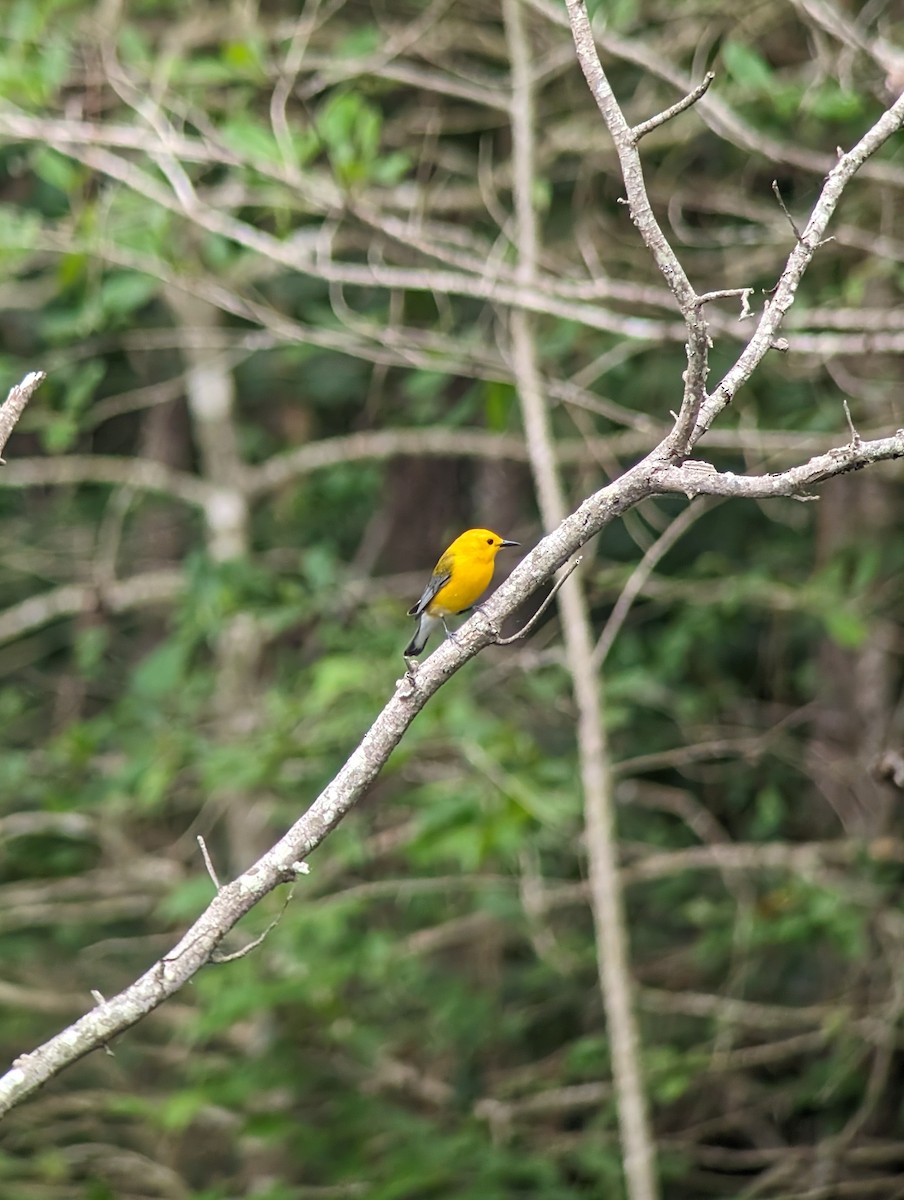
x=437, y=580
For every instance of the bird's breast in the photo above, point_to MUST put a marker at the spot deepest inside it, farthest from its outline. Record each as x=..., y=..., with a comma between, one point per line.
x=465, y=586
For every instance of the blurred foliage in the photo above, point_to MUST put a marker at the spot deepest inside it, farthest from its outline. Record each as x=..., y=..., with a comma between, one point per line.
x=424, y=1019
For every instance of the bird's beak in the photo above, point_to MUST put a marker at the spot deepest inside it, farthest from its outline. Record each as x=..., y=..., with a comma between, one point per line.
x=505, y=543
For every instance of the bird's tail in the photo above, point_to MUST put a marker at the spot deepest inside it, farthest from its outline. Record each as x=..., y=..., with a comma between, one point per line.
x=425, y=626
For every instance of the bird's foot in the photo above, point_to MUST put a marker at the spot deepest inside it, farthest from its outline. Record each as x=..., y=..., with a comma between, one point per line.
x=410, y=676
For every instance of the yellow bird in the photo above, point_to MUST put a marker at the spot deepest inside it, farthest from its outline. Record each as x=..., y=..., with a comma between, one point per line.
x=460, y=577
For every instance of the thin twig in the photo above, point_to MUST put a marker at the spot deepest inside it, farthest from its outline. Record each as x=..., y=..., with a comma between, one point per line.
x=220, y=959
x=645, y=127
x=856, y=440
x=100, y=998
x=639, y=577
x=522, y=633
x=208, y=863
x=726, y=293
x=797, y=263
x=783, y=206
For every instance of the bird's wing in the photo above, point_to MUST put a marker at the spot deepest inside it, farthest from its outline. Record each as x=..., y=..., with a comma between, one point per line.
x=442, y=573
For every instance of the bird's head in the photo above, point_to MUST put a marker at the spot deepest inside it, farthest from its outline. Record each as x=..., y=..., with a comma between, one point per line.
x=482, y=543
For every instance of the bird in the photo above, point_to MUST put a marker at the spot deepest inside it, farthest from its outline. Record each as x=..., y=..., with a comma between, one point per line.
x=461, y=576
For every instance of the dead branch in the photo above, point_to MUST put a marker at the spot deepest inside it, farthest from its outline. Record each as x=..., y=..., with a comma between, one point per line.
x=14, y=405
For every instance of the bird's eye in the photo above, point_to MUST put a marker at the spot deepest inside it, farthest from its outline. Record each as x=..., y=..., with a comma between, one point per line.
x=491, y=542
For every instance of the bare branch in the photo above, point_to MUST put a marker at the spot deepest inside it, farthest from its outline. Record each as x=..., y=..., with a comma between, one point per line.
x=606, y=893
x=551, y=595
x=306, y=258
x=783, y=206
x=623, y=137
x=208, y=863
x=98, y=468
x=14, y=405
x=721, y=118
x=696, y=478
x=219, y=959
x=799, y=259
x=726, y=293
x=855, y=436
x=645, y=127
x=850, y=33
x=121, y=595
x=639, y=576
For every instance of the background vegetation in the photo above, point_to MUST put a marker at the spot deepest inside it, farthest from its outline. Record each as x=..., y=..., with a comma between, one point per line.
x=264, y=253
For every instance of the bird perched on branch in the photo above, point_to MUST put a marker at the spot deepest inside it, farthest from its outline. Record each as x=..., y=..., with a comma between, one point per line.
x=460, y=577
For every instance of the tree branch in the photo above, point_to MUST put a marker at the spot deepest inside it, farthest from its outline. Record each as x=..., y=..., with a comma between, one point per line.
x=14, y=405
x=625, y=140
x=799, y=259
x=606, y=894
x=120, y=595
x=697, y=410
x=639, y=576
x=99, y=468
x=645, y=127
x=696, y=478
x=280, y=863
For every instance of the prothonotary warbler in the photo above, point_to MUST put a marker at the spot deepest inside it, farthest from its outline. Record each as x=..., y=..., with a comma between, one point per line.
x=460, y=577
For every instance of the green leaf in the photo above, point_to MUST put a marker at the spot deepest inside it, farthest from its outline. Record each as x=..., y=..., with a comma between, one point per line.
x=246, y=59
x=59, y=434
x=72, y=269
x=90, y=645
x=81, y=384
x=252, y=138
x=133, y=45
x=770, y=812
x=866, y=568
x=500, y=405
x=351, y=128
x=391, y=168
x=746, y=66
x=830, y=102
x=334, y=678
x=180, y=1109
x=56, y=169
x=161, y=672
x=846, y=628
x=19, y=231
x=364, y=39
x=125, y=291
